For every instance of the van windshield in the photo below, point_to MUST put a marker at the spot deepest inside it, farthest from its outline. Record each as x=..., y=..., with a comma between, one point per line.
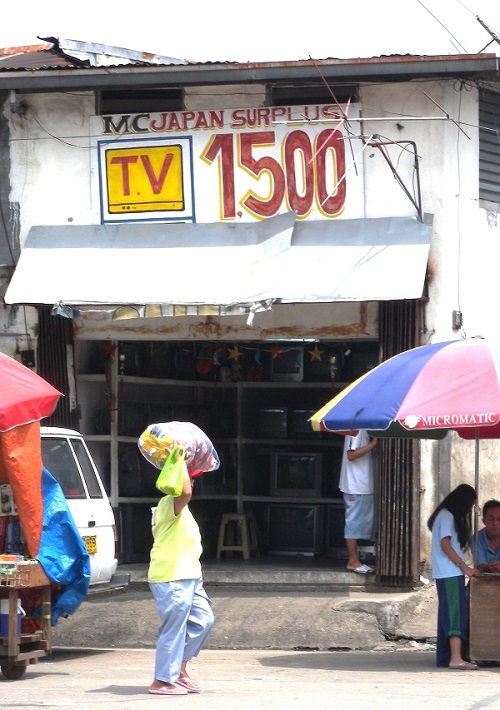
x=59, y=460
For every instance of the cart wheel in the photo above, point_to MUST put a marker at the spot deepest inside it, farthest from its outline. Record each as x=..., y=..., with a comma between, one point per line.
x=13, y=671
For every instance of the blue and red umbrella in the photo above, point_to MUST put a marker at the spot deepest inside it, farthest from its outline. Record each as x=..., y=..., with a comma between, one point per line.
x=424, y=392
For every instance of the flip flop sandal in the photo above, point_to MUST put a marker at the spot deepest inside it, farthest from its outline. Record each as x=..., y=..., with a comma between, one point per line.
x=362, y=569
x=464, y=667
x=168, y=690
x=189, y=685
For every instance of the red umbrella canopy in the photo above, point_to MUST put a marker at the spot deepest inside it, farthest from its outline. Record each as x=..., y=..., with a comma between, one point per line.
x=426, y=391
x=24, y=396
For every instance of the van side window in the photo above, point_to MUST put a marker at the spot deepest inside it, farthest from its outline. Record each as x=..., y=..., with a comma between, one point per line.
x=58, y=459
x=87, y=469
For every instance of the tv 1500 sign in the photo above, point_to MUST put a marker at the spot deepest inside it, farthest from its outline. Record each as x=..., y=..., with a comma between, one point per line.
x=154, y=178
x=300, y=177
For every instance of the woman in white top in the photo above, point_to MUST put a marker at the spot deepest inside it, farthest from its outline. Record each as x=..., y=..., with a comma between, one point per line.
x=451, y=525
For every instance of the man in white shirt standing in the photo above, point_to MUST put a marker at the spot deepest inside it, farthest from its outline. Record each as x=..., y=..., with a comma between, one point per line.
x=356, y=484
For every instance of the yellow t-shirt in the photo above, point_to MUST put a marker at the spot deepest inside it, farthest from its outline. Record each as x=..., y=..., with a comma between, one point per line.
x=177, y=544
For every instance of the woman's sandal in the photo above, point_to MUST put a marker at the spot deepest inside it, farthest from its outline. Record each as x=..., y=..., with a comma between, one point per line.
x=188, y=684
x=464, y=666
x=168, y=690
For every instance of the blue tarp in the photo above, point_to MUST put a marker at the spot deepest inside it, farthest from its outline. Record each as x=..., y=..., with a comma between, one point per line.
x=62, y=552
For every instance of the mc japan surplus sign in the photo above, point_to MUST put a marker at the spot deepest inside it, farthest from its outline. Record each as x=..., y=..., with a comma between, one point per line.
x=229, y=164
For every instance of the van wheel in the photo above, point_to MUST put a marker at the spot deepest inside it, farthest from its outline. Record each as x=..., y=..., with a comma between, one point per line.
x=13, y=671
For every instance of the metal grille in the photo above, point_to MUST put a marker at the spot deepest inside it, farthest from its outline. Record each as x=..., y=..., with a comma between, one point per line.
x=53, y=339
x=489, y=146
x=399, y=501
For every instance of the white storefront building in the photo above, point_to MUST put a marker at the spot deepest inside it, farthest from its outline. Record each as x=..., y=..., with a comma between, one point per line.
x=258, y=219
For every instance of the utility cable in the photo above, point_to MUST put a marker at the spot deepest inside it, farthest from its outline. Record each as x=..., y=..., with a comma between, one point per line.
x=443, y=26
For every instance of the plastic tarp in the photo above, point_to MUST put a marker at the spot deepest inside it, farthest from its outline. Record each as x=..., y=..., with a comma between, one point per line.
x=21, y=467
x=62, y=553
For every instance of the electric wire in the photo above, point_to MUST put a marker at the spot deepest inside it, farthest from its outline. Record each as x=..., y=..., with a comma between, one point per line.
x=442, y=25
x=459, y=231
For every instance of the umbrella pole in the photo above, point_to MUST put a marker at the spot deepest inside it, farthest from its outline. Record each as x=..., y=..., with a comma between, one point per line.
x=476, y=487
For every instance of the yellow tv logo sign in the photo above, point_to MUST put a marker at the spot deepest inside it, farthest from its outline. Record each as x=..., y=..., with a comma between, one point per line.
x=145, y=179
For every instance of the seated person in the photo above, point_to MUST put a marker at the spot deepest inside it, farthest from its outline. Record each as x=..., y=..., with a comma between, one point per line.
x=486, y=548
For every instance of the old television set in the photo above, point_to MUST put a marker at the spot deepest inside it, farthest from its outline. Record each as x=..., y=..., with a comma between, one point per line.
x=225, y=421
x=300, y=426
x=133, y=418
x=272, y=422
x=211, y=483
x=363, y=357
x=335, y=521
x=216, y=482
x=294, y=529
x=287, y=366
x=296, y=474
x=136, y=476
x=135, y=536
x=184, y=363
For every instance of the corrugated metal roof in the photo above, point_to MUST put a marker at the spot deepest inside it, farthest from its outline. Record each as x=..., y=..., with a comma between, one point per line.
x=69, y=54
x=11, y=51
x=63, y=65
x=38, y=57
x=107, y=55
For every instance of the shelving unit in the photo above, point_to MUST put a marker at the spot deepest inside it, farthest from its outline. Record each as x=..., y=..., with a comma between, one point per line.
x=248, y=418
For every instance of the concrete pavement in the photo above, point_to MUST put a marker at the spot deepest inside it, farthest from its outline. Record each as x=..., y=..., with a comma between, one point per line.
x=253, y=617
x=278, y=641
x=266, y=604
x=255, y=680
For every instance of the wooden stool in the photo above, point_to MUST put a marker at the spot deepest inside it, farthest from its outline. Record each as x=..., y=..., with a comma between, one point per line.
x=246, y=527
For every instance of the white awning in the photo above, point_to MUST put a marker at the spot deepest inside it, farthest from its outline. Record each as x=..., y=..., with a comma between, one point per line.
x=357, y=260
x=279, y=258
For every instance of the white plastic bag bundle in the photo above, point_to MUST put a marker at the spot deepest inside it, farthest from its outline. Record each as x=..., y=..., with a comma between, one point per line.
x=156, y=442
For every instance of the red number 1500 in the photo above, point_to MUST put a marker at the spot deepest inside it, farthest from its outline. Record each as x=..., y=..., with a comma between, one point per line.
x=317, y=164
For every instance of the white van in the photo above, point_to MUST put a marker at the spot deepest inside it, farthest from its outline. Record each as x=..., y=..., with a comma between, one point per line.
x=66, y=455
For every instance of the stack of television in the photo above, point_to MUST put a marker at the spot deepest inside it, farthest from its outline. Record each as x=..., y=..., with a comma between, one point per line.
x=295, y=527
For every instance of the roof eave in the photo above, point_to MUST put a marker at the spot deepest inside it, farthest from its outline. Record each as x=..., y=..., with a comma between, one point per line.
x=396, y=68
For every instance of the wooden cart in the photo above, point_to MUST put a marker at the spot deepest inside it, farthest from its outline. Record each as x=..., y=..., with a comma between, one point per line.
x=485, y=617
x=17, y=650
